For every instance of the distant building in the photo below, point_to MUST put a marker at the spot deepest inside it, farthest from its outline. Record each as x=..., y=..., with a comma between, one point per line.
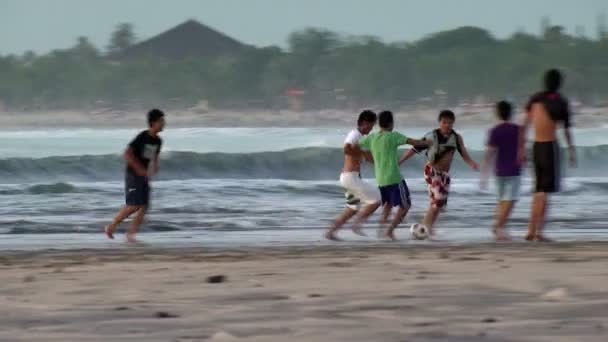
x=186, y=40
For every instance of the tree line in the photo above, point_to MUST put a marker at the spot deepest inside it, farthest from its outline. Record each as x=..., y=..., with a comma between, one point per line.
x=330, y=69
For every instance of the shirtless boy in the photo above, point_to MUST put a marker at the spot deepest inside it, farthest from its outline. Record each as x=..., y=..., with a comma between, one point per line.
x=545, y=111
x=357, y=190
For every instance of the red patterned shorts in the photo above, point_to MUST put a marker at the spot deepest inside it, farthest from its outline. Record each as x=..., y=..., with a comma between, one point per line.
x=438, y=185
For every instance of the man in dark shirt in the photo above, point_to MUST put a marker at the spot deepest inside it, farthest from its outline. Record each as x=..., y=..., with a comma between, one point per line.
x=545, y=111
x=142, y=163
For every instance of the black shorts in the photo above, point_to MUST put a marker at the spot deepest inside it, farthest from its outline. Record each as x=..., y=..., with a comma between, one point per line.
x=547, y=166
x=137, y=190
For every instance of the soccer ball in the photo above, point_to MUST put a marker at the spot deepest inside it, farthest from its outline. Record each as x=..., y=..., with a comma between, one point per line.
x=418, y=231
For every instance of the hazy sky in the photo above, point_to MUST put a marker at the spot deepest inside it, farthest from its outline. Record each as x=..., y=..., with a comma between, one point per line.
x=42, y=25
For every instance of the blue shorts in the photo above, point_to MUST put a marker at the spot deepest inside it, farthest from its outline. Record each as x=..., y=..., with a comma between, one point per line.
x=508, y=188
x=396, y=195
x=137, y=190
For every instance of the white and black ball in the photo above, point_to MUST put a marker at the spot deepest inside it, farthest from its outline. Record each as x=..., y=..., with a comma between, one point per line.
x=419, y=231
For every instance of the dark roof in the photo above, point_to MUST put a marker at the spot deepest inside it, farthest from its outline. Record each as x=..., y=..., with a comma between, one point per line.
x=189, y=39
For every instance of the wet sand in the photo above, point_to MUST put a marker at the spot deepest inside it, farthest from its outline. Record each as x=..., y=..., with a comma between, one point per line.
x=487, y=292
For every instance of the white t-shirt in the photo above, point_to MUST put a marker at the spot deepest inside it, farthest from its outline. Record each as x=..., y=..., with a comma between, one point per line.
x=353, y=137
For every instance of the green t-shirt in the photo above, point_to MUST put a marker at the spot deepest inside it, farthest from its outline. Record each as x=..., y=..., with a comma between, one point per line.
x=383, y=146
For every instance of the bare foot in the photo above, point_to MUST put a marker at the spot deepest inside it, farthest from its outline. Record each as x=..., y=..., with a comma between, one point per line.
x=331, y=236
x=109, y=232
x=542, y=238
x=131, y=239
x=359, y=230
x=501, y=236
x=390, y=234
x=530, y=237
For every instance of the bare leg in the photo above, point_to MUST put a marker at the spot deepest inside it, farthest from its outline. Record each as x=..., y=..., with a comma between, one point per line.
x=503, y=211
x=536, y=215
x=542, y=215
x=532, y=220
x=430, y=218
x=363, y=216
x=121, y=216
x=399, y=216
x=137, y=221
x=346, y=215
x=386, y=212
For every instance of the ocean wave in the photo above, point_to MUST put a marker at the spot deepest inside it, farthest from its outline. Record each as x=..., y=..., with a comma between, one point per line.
x=56, y=188
x=48, y=188
x=312, y=163
x=212, y=188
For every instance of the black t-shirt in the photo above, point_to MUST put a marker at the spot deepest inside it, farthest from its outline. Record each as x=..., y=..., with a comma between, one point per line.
x=145, y=148
x=555, y=104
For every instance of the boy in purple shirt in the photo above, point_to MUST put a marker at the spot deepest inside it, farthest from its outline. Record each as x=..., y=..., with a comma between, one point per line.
x=503, y=144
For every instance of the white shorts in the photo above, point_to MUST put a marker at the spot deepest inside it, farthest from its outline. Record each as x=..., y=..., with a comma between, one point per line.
x=358, y=191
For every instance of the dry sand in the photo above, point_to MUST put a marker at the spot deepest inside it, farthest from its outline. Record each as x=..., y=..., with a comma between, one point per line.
x=516, y=292
x=586, y=117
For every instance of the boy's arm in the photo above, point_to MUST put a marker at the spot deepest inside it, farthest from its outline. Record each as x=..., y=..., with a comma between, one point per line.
x=156, y=165
x=157, y=162
x=351, y=149
x=129, y=156
x=465, y=154
x=571, y=148
x=418, y=142
x=523, y=134
x=568, y=135
x=363, y=149
x=485, y=166
x=407, y=155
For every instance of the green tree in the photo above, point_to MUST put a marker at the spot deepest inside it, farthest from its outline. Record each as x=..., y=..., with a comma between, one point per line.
x=122, y=38
x=334, y=70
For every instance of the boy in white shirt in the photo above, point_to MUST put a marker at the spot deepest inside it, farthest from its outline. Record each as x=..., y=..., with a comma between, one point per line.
x=358, y=192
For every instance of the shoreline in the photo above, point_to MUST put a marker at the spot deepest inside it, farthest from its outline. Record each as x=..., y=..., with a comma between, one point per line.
x=473, y=293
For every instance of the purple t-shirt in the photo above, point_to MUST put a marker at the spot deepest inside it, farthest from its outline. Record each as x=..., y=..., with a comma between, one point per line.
x=504, y=137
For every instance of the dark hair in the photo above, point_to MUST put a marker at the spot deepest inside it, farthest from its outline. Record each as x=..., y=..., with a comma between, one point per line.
x=154, y=115
x=366, y=116
x=446, y=114
x=504, y=110
x=385, y=119
x=553, y=80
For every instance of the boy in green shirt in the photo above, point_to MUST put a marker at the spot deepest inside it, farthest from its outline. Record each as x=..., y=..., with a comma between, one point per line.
x=383, y=146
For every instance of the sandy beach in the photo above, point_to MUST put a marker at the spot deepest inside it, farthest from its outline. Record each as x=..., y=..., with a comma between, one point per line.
x=484, y=292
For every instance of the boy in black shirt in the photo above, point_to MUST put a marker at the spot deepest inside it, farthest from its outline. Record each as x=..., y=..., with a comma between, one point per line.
x=142, y=163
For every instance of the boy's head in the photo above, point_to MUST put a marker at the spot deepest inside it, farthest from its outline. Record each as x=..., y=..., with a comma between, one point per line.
x=366, y=121
x=386, y=121
x=553, y=80
x=504, y=110
x=156, y=120
x=446, y=121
